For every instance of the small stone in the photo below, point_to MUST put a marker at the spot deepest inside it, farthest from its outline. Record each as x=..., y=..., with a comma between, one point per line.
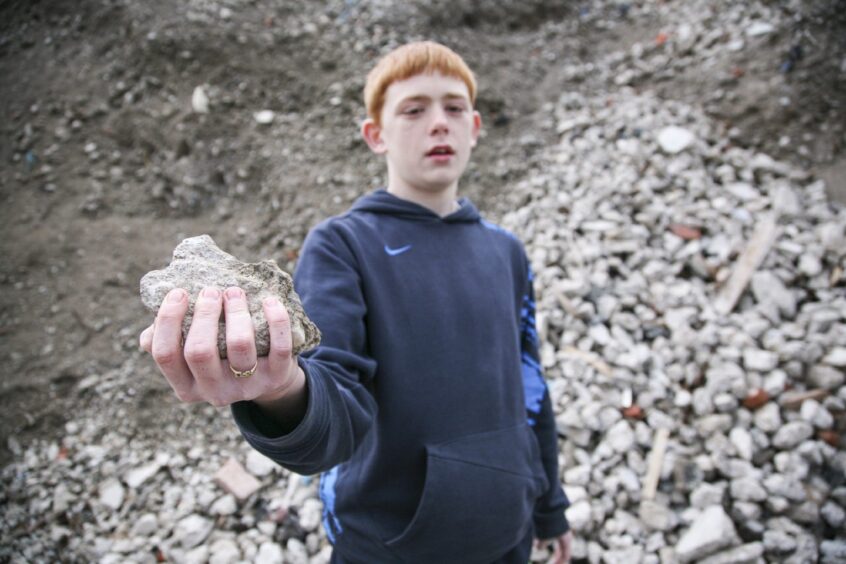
x=756, y=398
x=711, y=531
x=826, y=377
x=269, y=553
x=112, y=493
x=707, y=494
x=836, y=357
x=778, y=542
x=833, y=551
x=200, y=101
x=833, y=514
x=224, y=505
x=621, y=437
x=674, y=139
x=768, y=418
x=791, y=434
x=192, y=530
x=233, y=478
x=146, y=525
x=296, y=552
x=310, y=514
x=769, y=289
x=260, y=465
x=579, y=515
x=815, y=414
x=264, y=117
x=760, y=361
x=224, y=551
x=785, y=486
x=747, y=489
x=138, y=476
x=742, y=441
x=656, y=516
x=744, y=554
x=759, y=28
x=198, y=263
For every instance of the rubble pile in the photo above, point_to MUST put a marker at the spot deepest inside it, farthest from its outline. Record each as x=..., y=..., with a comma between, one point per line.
x=691, y=288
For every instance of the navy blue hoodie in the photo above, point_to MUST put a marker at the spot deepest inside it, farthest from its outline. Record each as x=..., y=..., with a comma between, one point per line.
x=427, y=410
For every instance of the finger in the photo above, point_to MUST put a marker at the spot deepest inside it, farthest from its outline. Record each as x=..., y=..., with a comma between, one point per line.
x=240, y=335
x=145, y=341
x=167, y=344
x=201, y=352
x=279, y=329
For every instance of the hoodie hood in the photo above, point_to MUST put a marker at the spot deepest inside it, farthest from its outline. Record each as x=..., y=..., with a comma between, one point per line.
x=383, y=202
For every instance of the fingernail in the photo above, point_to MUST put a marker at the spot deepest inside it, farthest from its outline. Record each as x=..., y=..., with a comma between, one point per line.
x=213, y=293
x=271, y=301
x=234, y=293
x=176, y=295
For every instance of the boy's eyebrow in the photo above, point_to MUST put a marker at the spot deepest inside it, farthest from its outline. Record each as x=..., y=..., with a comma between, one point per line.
x=424, y=98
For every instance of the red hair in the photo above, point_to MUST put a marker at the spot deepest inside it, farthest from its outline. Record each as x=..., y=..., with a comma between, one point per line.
x=422, y=57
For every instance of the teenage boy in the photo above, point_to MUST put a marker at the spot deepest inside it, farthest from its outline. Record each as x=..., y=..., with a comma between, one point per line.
x=424, y=405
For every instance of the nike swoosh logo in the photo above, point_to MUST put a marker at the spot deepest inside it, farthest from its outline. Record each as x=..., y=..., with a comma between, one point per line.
x=398, y=251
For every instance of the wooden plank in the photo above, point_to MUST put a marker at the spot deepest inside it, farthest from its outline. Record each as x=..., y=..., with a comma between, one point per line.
x=656, y=460
x=751, y=258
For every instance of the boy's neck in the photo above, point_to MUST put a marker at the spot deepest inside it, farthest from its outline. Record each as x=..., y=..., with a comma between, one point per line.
x=442, y=203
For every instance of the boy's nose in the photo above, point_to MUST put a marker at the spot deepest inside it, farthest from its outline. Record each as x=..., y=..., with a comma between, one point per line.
x=439, y=121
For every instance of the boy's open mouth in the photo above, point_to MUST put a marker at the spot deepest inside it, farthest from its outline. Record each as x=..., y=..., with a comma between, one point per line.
x=440, y=150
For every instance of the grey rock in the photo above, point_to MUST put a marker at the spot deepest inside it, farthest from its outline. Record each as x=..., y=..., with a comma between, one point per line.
x=707, y=494
x=814, y=413
x=112, y=493
x=296, y=552
x=192, y=530
x=769, y=289
x=743, y=443
x=146, y=525
x=785, y=486
x=778, y=542
x=259, y=465
x=579, y=515
x=833, y=514
x=743, y=554
x=673, y=139
x=656, y=516
x=836, y=357
x=759, y=360
x=711, y=531
x=198, y=262
x=747, y=489
x=768, y=417
x=224, y=551
x=224, y=505
x=310, y=514
x=833, y=551
x=791, y=434
x=621, y=437
x=269, y=553
x=137, y=476
x=828, y=377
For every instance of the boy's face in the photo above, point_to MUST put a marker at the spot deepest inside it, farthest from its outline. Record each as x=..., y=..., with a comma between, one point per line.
x=427, y=132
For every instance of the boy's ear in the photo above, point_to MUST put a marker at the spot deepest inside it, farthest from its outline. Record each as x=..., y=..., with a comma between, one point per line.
x=477, y=128
x=372, y=135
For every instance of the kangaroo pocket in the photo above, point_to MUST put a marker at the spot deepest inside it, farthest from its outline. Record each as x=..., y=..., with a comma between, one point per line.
x=477, y=499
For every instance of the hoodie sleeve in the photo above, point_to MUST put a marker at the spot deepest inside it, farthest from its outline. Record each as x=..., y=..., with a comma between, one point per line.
x=340, y=407
x=549, y=519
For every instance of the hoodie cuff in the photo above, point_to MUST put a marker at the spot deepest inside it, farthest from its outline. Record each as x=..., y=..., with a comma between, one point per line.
x=269, y=438
x=550, y=526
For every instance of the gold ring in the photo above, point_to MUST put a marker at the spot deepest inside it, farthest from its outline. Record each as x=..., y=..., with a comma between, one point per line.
x=244, y=373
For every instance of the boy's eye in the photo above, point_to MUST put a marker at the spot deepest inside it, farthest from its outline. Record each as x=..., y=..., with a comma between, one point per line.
x=455, y=108
x=412, y=110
